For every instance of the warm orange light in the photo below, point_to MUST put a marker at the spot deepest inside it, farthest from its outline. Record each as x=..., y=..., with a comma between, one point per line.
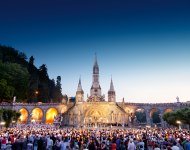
x=24, y=115
x=37, y=115
x=50, y=115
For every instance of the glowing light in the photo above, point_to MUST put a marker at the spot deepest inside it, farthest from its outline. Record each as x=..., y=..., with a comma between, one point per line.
x=37, y=115
x=24, y=115
x=50, y=115
x=178, y=122
x=2, y=123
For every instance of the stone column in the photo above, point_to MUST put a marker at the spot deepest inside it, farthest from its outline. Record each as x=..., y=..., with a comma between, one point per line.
x=29, y=118
x=161, y=119
x=148, y=119
x=44, y=118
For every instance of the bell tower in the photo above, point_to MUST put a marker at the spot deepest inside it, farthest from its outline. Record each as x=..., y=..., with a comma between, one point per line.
x=95, y=88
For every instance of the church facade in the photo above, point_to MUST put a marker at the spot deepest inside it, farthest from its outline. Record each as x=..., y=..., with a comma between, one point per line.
x=95, y=111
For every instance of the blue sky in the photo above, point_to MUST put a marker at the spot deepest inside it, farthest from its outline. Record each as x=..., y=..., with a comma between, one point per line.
x=144, y=45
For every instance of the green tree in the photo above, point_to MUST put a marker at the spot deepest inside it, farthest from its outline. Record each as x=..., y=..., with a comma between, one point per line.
x=6, y=92
x=58, y=89
x=156, y=117
x=182, y=115
x=11, y=55
x=141, y=116
x=9, y=115
x=16, y=115
x=33, y=81
x=43, y=84
x=15, y=78
x=52, y=89
x=22, y=79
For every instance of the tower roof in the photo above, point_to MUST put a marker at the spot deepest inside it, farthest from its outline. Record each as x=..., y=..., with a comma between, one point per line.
x=95, y=67
x=111, y=86
x=79, y=88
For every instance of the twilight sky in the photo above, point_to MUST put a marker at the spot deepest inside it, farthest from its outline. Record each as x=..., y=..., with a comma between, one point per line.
x=143, y=44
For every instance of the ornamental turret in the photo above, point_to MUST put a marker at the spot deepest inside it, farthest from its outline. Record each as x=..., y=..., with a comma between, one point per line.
x=111, y=93
x=80, y=92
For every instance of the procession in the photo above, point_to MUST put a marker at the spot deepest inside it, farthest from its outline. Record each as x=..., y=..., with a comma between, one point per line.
x=50, y=137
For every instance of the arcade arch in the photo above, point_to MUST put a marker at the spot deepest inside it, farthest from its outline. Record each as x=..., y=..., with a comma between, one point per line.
x=24, y=116
x=140, y=115
x=167, y=110
x=155, y=115
x=37, y=115
x=95, y=116
x=51, y=113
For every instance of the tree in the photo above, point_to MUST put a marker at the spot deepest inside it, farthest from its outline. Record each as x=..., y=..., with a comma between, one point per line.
x=6, y=92
x=22, y=79
x=57, y=94
x=16, y=115
x=182, y=115
x=33, y=81
x=52, y=89
x=16, y=79
x=141, y=116
x=9, y=115
x=156, y=117
x=11, y=55
x=43, y=84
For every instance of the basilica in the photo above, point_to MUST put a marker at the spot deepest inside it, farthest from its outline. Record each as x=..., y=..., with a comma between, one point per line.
x=95, y=110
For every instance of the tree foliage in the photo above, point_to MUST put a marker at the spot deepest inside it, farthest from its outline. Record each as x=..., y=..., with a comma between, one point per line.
x=21, y=78
x=156, y=117
x=9, y=115
x=141, y=116
x=13, y=81
x=182, y=115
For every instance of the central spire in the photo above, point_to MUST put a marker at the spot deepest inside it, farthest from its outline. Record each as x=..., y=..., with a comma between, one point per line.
x=111, y=85
x=95, y=91
x=79, y=88
x=95, y=67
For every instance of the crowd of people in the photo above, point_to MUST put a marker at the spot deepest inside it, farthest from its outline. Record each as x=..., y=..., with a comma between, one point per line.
x=47, y=137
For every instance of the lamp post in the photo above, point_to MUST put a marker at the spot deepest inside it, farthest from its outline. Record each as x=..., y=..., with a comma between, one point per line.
x=179, y=124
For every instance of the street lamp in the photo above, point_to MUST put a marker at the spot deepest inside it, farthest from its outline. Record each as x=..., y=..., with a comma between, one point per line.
x=36, y=92
x=2, y=123
x=179, y=124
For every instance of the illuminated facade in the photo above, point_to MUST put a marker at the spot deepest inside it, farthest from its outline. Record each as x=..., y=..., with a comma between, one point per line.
x=94, y=111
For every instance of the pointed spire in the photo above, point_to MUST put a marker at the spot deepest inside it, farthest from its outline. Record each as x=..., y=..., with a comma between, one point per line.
x=95, y=61
x=111, y=85
x=95, y=67
x=79, y=85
